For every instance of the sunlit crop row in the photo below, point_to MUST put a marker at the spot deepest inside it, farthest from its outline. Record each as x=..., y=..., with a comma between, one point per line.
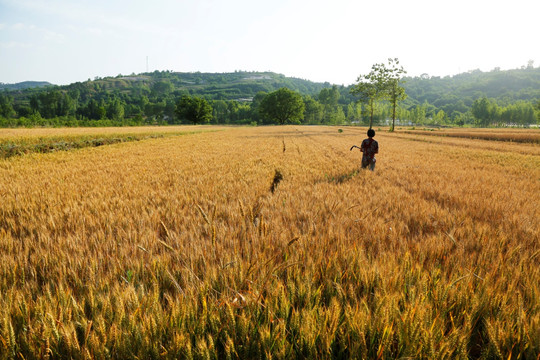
x=18, y=133
x=177, y=248
x=52, y=140
x=512, y=134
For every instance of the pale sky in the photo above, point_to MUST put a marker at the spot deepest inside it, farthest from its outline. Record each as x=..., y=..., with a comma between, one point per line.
x=65, y=41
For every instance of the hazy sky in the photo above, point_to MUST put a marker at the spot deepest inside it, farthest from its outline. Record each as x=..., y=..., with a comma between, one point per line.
x=64, y=41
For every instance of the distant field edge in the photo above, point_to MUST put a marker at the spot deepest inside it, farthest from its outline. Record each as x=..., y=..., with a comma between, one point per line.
x=14, y=147
x=532, y=137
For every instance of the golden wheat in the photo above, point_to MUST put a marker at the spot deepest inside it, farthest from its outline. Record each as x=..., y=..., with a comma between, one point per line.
x=499, y=134
x=177, y=247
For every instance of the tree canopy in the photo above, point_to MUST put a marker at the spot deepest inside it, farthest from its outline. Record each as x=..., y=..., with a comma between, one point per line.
x=370, y=88
x=194, y=109
x=393, y=77
x=283, y=105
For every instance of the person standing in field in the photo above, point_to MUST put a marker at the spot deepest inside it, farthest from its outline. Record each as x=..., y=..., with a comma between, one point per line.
x=369, y=148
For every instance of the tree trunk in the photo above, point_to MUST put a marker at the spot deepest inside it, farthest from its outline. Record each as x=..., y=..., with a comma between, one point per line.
x=393, y=115
x=371, y=118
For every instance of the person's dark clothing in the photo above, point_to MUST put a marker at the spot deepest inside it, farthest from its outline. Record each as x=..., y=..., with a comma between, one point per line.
x=369, y=148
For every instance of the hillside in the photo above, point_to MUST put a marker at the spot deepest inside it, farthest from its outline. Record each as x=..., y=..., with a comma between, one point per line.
x=504, y=86
x=25, y=85
x=213, y=86
x=517, y=84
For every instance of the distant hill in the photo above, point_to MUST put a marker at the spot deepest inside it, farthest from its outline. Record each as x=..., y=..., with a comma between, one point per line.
x=507, y=85
x=455, y=95
x=25, y=85
x=151, y=97
x=213, y=86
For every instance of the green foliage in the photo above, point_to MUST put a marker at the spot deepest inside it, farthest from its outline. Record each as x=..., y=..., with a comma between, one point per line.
x=35, y=120
x=371, y=88
x=332, y=111
x=194, y=109
x=235, y=98
x=162, y=87
x=282, y=106
x=313, y=111
x=329, y=97
x=383, y=82
x=487, y=112
x=24, y=85
x=394, y=91
x=149, y=98
x=484, y=111
x=115, y=110
x=456, y=95
x=6, y=105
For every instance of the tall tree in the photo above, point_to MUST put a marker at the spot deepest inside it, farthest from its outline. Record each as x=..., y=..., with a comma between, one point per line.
x=220, y=111
x=6, y=107
x=194, y=109
x=49, y=102
x=313, y=110
x=537, y=110
x=394, y=91
x=254, y=106
x=482, y=110
x=95, y=110
x=328, y=98
x=282, y=105
x=115, y=110
x=370, y=88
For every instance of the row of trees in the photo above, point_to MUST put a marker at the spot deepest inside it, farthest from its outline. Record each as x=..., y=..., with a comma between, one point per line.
x=266, y=108
x=280, y=107
x=166, y=106
x=487, y=112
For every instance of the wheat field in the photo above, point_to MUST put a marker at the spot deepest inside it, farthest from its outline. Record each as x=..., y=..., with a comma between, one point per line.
x=500, y=134
x=270, y=242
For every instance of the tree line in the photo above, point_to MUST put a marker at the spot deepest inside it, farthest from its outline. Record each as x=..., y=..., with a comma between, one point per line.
x=382, y=97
